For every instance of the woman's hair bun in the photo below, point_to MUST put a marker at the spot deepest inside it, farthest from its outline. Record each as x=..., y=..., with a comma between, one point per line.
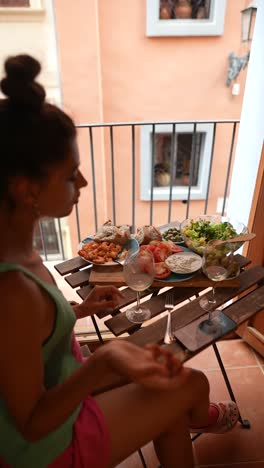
x=19, y=85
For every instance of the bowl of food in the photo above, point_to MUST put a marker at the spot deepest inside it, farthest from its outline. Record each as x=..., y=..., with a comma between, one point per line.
x=198, y=231
x=172, y=232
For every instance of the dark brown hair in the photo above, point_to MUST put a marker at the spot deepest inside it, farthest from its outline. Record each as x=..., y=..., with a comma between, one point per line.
x=33, y=133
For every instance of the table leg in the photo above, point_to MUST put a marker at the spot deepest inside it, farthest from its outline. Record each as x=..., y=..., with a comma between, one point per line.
x=245, y=423
x=97, y=329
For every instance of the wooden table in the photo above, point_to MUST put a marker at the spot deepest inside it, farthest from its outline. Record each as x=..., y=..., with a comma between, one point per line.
x=81, y=275
x=242, y=299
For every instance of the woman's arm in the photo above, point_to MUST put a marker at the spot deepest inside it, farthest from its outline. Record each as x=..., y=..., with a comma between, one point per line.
x=99, y=298
x=37, y=411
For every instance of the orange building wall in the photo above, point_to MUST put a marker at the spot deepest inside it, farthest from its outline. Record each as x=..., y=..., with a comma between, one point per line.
x=112, y=72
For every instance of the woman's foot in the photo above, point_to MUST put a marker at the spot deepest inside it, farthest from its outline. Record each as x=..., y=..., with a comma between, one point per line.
x=223, y=416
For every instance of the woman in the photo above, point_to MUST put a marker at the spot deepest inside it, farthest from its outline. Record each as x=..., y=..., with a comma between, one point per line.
x=48, y=416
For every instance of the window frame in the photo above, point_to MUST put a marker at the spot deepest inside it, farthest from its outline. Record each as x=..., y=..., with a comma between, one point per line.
x=36, y=7
x=198, y=192
x=213, y=26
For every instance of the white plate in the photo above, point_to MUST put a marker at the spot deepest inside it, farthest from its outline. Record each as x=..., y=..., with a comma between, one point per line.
x=176, y=262
x=131, y=245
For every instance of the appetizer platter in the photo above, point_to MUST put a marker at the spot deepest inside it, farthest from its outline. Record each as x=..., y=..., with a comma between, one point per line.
x=109, y=246
x=176, y=259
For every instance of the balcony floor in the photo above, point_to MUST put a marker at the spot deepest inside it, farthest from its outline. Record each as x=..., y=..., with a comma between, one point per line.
x=241, y=448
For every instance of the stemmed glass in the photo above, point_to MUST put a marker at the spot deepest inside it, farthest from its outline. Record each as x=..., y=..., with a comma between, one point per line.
x=218, y=265
x=139, y=273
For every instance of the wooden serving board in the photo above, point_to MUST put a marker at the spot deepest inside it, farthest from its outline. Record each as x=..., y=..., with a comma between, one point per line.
x=114, y=275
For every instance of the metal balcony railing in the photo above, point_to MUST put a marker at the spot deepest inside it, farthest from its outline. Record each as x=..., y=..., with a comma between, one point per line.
x=116, y=139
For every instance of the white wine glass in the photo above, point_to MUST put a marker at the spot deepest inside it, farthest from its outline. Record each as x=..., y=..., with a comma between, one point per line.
x=139, y=273
x=218, y=265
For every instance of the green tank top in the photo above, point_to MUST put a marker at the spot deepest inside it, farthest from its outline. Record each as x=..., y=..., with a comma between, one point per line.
x=59, y=362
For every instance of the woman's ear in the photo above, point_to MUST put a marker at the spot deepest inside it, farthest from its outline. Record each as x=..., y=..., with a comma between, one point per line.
x=23, y=191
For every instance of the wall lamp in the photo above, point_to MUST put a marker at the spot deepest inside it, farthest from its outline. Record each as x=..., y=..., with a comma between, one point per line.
x=236, y=62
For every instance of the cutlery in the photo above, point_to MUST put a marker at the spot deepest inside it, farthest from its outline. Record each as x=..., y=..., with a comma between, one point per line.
x=168, y=338
x=242, y=238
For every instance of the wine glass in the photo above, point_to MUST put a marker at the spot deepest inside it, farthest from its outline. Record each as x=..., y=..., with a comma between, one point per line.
x=218, y=265
x=139, y=273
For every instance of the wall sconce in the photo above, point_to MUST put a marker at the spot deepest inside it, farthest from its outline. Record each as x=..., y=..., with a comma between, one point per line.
x=236, y=62
x=248, y=21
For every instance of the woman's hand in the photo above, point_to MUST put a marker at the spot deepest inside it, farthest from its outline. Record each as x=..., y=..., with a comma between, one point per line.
x=152, y=367
x=100, y=298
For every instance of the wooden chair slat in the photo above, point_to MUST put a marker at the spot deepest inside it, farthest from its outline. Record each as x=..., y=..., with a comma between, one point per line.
x=247, y=306
x=84, y=291
x=70, y=266
x=80, y=278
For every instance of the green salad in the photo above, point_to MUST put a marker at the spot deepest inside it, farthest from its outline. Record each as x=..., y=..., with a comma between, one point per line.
x=202, y=231
x=209, y=230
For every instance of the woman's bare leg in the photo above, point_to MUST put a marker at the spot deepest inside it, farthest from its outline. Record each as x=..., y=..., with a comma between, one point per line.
x=136, y=415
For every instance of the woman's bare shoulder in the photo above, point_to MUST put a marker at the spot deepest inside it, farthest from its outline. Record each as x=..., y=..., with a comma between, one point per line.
x=17, y=293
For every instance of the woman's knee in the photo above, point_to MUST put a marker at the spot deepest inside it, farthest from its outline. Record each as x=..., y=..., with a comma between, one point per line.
x=199, y=381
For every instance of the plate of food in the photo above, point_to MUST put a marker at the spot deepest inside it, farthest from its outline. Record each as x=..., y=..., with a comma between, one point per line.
x=172, y=232
x=109, y=245
x=100, y=252
x=162, y=251
x=184, y=262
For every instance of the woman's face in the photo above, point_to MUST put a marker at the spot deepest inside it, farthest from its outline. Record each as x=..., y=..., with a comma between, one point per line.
x=61, y=189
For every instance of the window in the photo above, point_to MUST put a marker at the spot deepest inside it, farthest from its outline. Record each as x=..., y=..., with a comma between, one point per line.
x=184, y=9
x=14, y=3
x=14, y=7
x=50, y=237
x=179, y=168
x=185, y=17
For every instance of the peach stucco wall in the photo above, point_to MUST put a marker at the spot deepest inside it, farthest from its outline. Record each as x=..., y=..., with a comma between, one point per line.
x=112, y=72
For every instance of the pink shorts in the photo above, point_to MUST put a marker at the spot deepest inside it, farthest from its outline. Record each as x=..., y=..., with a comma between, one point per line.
x=90, y=446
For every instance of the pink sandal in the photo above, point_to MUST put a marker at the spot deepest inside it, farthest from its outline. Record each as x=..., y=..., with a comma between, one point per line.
x=227, y=419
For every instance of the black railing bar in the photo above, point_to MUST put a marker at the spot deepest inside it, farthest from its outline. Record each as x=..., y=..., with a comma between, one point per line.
x=172, y=166
x=152, y=173
x=133, y=178
x=43, y=240
x=210, y=170
x=191, y=169
x=153, y=122
x=61, y=239
x=78, y=223
x=93, y=177
x=112, y=173
x=229, y=166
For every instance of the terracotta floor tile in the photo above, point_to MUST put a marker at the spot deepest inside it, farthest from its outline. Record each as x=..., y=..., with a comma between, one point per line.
x=240, y=445
x=236, y=353
x=204, y=360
